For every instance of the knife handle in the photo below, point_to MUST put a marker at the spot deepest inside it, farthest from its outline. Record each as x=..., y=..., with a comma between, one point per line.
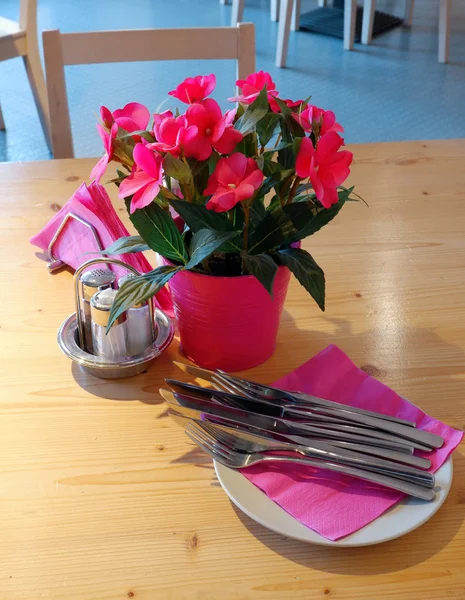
x=405, y=487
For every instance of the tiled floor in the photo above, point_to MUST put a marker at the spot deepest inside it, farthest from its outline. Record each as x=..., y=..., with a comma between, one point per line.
x=392, y=90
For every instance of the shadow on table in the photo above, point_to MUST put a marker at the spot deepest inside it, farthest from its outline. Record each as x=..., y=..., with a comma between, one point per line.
x=396, y=555
x=141, y=388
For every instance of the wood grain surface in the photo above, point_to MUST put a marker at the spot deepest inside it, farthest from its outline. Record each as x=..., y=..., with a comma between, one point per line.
x=103, y=498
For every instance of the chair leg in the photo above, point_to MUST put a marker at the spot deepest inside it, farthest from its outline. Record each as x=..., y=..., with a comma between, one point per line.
x=408, y=16
x=322, y=2
x=295, y=19
x=2, y=122
x=368, y=18
x=274, y=10
x=223, y=1
x=38, y=87
x=444, y=30
x=237, y=12
x=350, y=14
x=284, y=29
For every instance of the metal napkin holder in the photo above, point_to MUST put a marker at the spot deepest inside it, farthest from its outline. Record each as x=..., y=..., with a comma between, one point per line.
x=54, y=263
x=70, y=335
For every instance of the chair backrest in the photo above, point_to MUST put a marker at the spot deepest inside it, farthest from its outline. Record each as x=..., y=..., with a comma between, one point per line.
x=62, y=49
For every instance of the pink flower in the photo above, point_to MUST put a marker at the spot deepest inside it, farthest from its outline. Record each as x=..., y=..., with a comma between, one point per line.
x=234, y=179
x=290, y=103
x=171, y=132
x=144, y=182
x=253, y=85
x=213, y=130
x=194, y=89
x=326, y=167
x=106, y=116
x=318, y=120
x=133, y=117
x=107, y=139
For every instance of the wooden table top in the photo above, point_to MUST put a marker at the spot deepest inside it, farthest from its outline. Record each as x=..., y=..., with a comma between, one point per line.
x=102, y=497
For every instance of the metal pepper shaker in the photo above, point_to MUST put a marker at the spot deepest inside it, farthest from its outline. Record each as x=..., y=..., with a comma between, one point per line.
x=111, y=346
x=139, y=326
x=91, y=282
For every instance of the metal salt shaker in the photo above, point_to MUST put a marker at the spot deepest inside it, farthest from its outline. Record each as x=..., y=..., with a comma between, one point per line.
x=90, y=283
x=111, y=346
x=139, y=324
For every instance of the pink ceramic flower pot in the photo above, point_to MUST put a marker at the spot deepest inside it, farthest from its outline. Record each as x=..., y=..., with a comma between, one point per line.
x=227, y=323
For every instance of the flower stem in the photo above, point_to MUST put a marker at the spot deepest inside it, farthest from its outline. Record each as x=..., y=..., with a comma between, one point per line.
x=246, y=209
x=293, y=191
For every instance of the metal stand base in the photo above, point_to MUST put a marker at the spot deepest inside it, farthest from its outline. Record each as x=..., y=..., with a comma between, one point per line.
x=330, y=21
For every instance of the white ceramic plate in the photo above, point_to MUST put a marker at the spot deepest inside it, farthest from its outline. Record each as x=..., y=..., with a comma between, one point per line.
x=402, y=518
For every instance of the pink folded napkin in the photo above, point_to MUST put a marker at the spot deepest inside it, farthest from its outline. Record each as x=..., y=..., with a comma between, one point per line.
x=332, y=504
x=94, y=206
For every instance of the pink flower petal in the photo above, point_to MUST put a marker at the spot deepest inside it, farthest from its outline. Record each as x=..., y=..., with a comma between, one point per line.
x=213, y=109
x=244, y=191
x=148, y=161
x=133, y=115
x=228, y=141
x=328, y=145
x=222, y=202
x=304, y=158
x=99, y=169
x=144, y=196
x=197, y=146
x=132, y=184
x=231, y=170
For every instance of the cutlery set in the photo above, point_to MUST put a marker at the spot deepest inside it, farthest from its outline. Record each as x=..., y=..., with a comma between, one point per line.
x=240, y=423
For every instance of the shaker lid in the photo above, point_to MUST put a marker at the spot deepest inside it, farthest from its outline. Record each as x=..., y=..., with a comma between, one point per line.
x=94, y=280
x=100, y=307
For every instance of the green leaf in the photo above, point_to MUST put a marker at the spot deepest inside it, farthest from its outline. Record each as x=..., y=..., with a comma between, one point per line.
x=290, y=128
x=253, y=113
x=263, y=267
x=266, y=128
x=139, y=289
x=158, y=229
x=257, y=211
x=177, y=169
x=247, y=145
x=281, y=146
x=141, y=132
x=197, y=216
x=309, y=218
x=275, y=229
x=205, y=242
x=307, y=272
x=126, y=245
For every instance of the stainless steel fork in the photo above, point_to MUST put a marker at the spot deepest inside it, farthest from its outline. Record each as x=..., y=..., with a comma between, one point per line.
x=321, y=451
x=226, y=455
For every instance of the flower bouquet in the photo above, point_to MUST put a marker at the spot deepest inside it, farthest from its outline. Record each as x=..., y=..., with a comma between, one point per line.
x=225, y=199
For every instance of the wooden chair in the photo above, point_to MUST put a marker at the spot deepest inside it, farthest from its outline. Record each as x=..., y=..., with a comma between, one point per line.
x=94, y=47
x=20, y=39
x=444, y=24
x=289, y=20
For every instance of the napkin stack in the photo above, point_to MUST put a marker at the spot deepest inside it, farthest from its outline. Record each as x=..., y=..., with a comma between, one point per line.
x=76, y=242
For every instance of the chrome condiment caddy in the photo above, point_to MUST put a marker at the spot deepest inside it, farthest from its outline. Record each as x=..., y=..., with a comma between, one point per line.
x=71, y=335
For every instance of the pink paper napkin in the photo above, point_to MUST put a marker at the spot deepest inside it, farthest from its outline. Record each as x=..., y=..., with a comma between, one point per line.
x=332, y=504
x=93, y=205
